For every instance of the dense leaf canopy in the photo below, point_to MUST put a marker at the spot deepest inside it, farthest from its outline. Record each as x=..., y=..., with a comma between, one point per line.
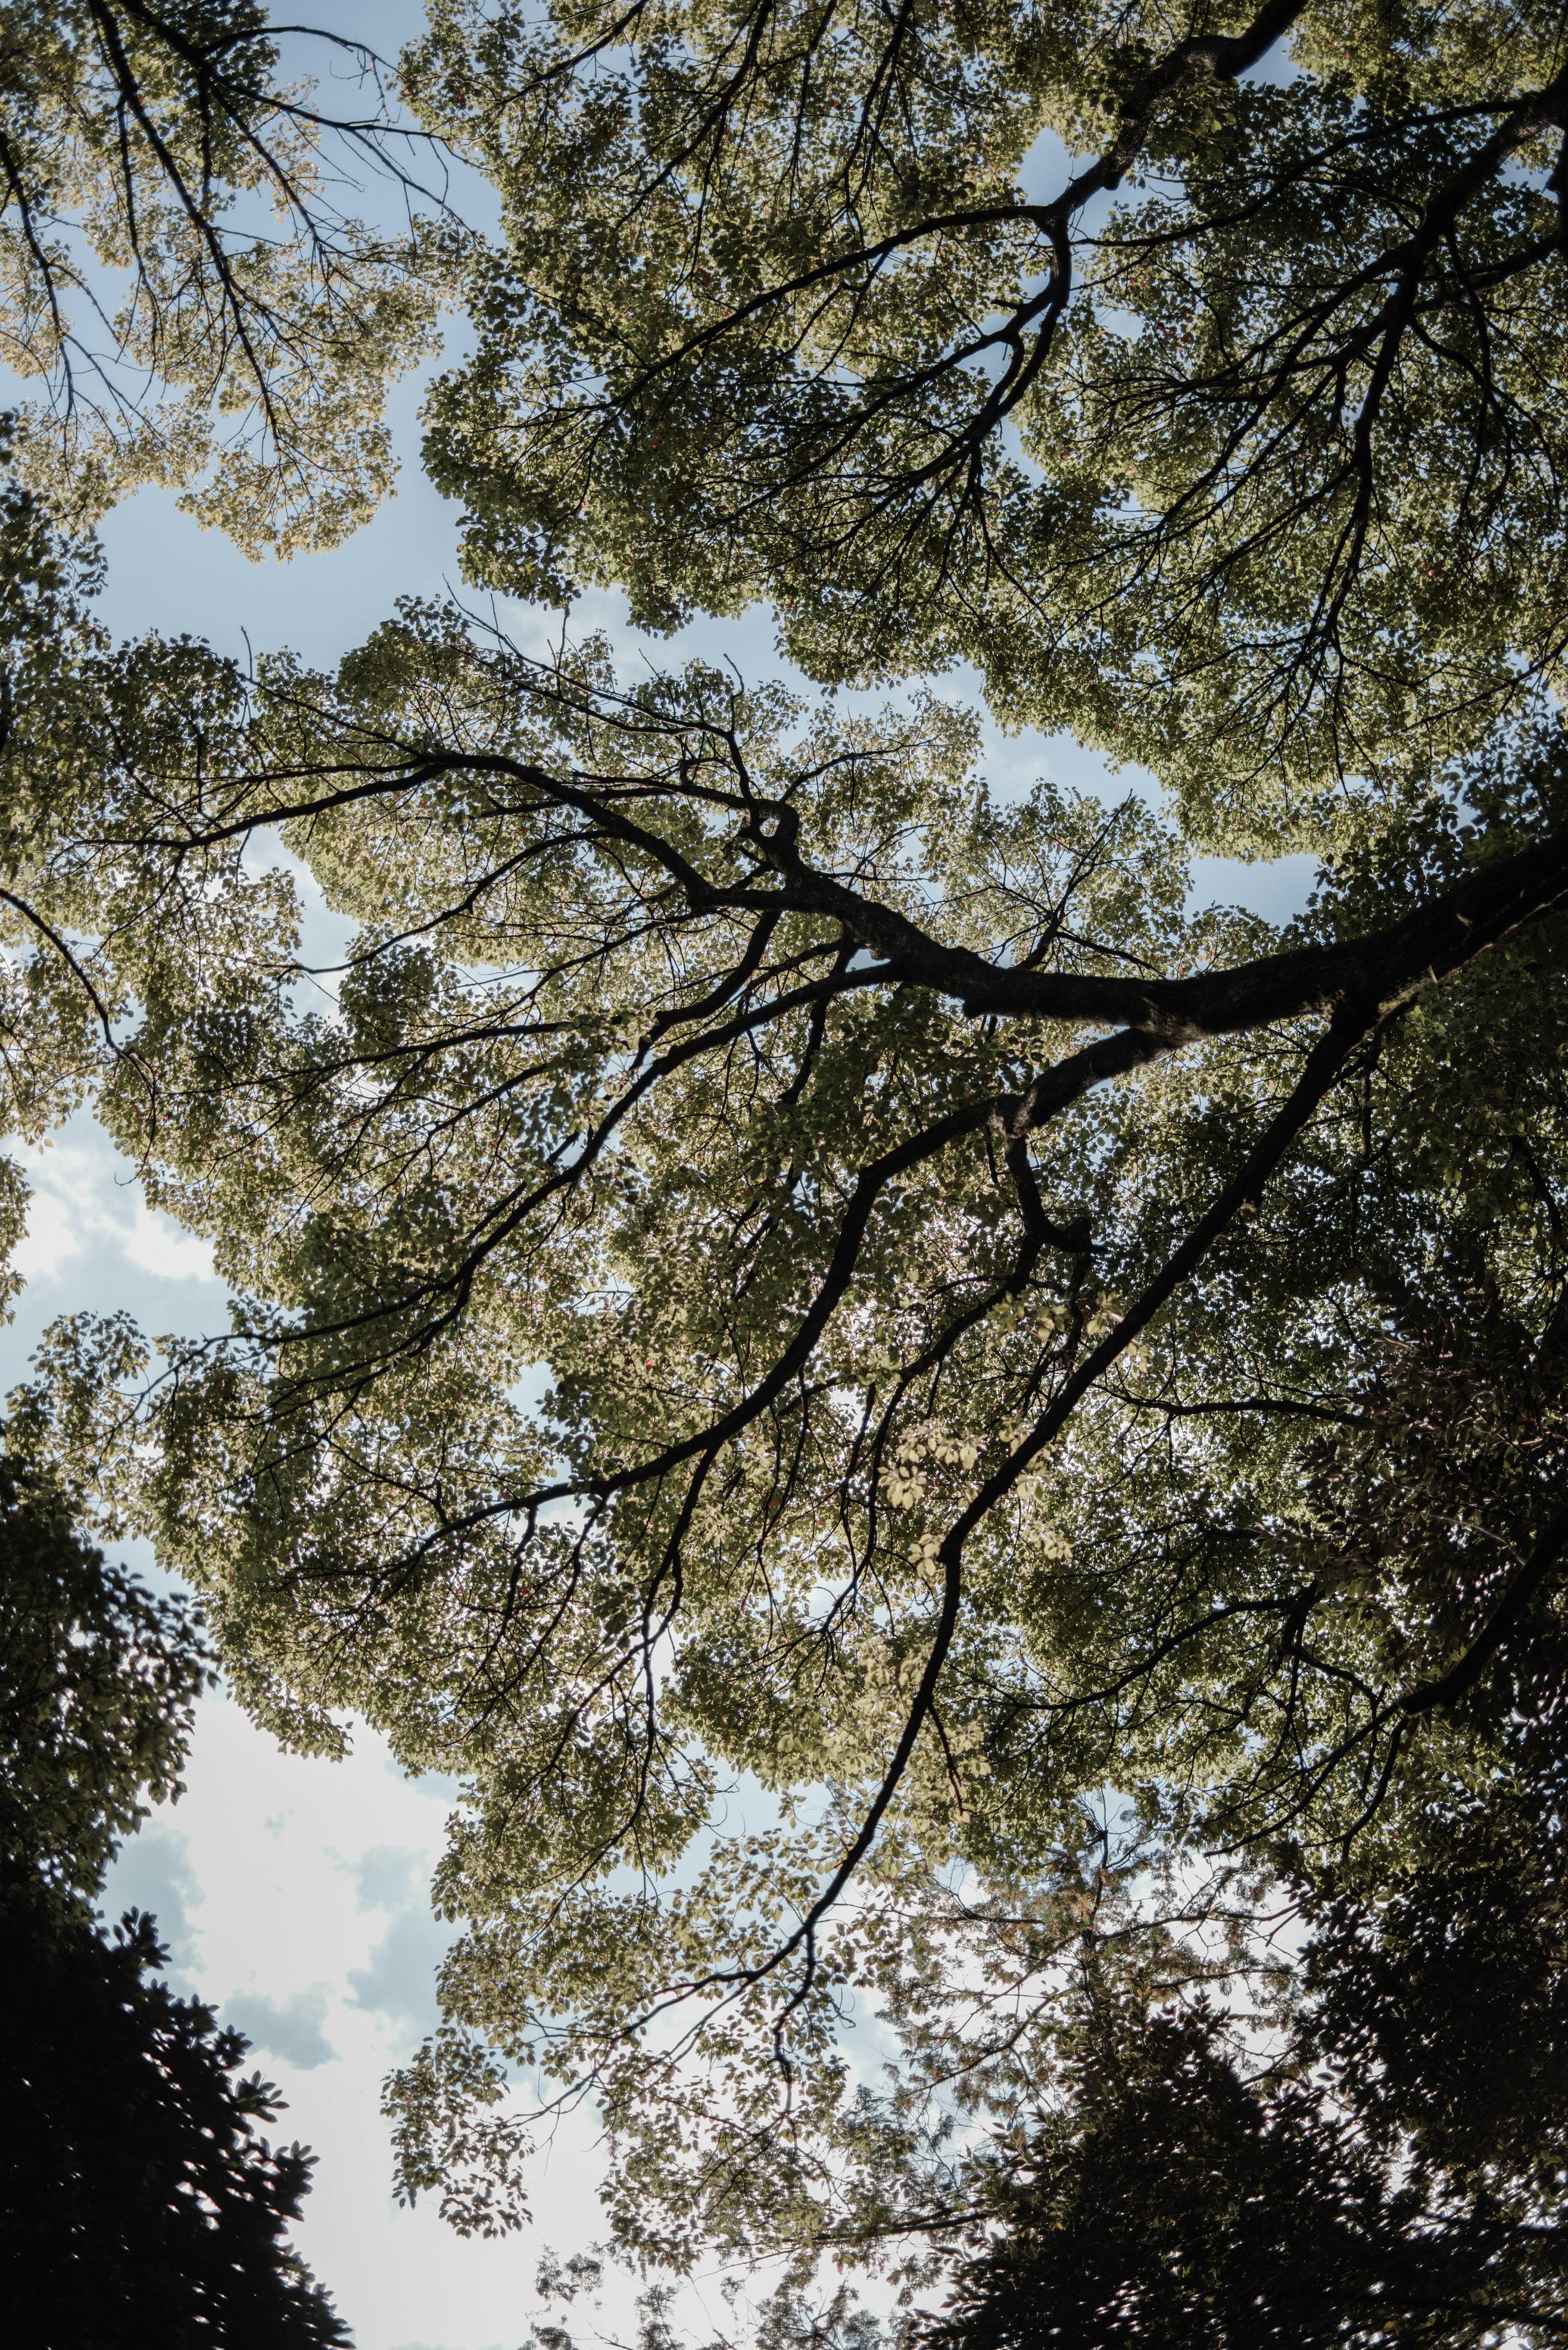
x=96, y=1697
x=1170, y=2203
x=179, y=274
x=1254, y=472
x=137, y=2200
x=769, y=1267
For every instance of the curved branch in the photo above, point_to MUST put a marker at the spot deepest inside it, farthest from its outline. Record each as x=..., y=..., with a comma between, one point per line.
x=116, y=1051
x=1322, y=1065
x=1547, y=1549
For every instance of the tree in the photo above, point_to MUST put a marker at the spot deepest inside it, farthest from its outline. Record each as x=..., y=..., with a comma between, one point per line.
x=136, y=2199
x=95, y=1706
x=139, y=2202
x=178, y=271
x=1173, y=2201
x=1253, y=474
x=966, y=1488
x=1005, y=1334
x=1383, y=2160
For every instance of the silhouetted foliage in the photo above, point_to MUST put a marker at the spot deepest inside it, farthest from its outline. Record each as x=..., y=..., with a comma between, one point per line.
x=1175, y=2204
x=137, y=2202
x=97, y=1676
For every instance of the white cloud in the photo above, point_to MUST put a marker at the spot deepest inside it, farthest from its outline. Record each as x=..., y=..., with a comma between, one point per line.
x=161, y=1248
x=53, y=1232
x=398, y=1980
x=153, y=1872
x=317, y=1942
x=86, y=1202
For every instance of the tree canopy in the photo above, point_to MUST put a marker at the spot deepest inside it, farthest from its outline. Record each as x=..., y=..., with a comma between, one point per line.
x=914, y=1411
x=94, y=1707
x=181, y=273
x=1253, y=474
x=1170, y=2203
x=137, y=2200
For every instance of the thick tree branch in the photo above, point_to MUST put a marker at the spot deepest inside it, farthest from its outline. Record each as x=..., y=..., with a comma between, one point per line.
x=1385, y=966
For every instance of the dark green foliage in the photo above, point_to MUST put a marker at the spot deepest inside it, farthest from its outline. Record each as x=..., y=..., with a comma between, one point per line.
x=1174, y=2205
x=137, y=2202
x=1388, y=2163
x=1437, y=1971
x=96, y=1686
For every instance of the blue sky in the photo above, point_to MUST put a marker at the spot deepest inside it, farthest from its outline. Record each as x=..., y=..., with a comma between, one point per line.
x=292, y=1892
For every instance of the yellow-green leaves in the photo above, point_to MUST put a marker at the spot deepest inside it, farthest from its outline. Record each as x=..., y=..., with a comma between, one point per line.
x=179, y=277
x=668, y=1266
x=1229, y=438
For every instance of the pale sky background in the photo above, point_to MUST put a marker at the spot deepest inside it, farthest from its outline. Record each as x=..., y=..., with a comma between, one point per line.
x=291, y=1892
